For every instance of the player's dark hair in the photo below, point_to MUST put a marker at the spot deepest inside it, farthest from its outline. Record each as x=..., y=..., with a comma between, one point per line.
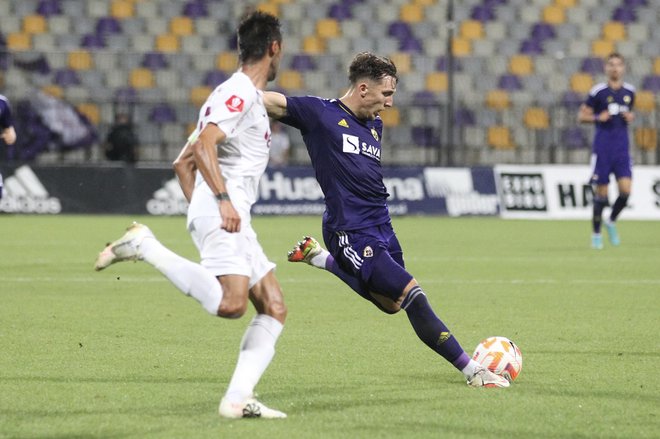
x=367, y=65
x=256, y=31
x=615, y=55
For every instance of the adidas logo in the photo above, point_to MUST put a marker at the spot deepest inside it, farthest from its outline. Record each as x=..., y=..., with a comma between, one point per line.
x=24, y=193
x=168, y=200
x=343, y=123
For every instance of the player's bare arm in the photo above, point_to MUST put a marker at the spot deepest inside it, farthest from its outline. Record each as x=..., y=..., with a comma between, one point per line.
x=586, y=115
x=275, y=104
x=184, y=168
x=206, y=161
x=9, y=135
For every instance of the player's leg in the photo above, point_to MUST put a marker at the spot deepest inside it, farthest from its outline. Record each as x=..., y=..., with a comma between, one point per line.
x=258, y=345
x=139, y=243
x=623, y=174
x=599, y=180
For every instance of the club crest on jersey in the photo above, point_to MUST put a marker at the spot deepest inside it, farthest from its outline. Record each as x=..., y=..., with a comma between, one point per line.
x=368, y=252
x=374, y=133
x=234, y=104
x=343, y=123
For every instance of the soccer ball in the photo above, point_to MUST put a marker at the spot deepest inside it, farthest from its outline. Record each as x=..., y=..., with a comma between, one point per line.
x=500, y=355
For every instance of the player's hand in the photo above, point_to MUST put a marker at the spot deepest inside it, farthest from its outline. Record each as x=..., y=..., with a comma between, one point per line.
x=231, y=220
x=603, y=116
x=628, y=116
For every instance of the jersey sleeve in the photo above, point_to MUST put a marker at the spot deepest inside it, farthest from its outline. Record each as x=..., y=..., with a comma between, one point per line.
x=225, y=107
x=6, y=120
x=303, y=113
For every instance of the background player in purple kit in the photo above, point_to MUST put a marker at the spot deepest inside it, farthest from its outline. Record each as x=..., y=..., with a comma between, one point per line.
x=7, y=131
x=343, y=138
x=609, y=106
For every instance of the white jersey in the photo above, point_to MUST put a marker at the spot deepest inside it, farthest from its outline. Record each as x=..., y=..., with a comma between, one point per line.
x=236, y=106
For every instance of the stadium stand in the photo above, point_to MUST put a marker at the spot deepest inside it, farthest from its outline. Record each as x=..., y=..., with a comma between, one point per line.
x=520, y=68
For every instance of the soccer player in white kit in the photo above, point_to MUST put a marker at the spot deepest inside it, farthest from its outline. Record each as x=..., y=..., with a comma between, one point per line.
x=219, y=170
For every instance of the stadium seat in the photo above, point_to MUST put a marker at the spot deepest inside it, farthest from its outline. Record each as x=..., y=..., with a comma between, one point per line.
x=581, y=82
x=162, y=113
x=271, y=8
x=182, y=26
x=471, y=30
x=645, y=101
x=199, y=94
x=498, y=99
x=122, y=9
x=554, y=14
x=574, y=137
x=90, y=111
x=302, y=63
x=227, y=61
x=614, y=31
x=34, y=24
x=390, y=117
x=461, y=47
x=66, y=77
x=651, y=83
x=108, y=26
x=602, y=48
x=436, y=82
x=411, y=13
x=141, y=78
x=646, y=138
x=195, y=9
x=537, y=118
x=656, y=66
x=18, y=41
x=47, y=8
x=402, y=61
x=328, y=28
x=499, y=137
x=592, y=65
x=314, y=45
x=290, y=80
x=167, y=43
x=565, y=3
x=425, y=135
x=509, y=82
x=521, y=65
x=80, y=60
x=154, y=61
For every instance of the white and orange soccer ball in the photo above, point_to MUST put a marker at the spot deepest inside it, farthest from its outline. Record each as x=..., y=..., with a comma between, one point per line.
x=501, y=356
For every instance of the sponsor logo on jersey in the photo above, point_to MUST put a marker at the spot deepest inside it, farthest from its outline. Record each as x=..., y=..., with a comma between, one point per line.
x=368, y=252
x=234, y=104
x=168, y=200
x=343, y=123
x=24, y=193
x=351, y=144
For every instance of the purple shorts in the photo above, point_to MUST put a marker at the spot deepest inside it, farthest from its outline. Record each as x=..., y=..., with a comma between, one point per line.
x=605, y=164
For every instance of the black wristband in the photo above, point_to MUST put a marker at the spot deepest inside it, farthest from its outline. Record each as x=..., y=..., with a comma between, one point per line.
x=222, y=196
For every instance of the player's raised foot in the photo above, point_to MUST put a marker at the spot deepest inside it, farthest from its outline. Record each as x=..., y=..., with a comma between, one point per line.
x=250, y=408
x=597, y=241
x=305, y=250
x=485, y=378
x=125, y=248
x=612, y=233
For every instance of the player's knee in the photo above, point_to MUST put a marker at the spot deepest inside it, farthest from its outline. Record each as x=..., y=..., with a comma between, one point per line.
x=277, y=309
x=385, y=304
x=232, y=307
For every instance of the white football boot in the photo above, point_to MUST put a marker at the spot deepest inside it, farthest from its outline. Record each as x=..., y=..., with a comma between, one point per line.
x=485, y=378
x=250, y=408
x=126, y=248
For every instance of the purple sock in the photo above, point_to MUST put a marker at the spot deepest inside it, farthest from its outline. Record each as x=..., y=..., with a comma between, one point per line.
x=597, y=219
x=430, y=329
x=618, y=206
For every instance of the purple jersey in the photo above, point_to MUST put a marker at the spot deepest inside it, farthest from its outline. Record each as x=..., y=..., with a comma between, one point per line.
x=612, y=136
x=5, y=114
x=345, y=154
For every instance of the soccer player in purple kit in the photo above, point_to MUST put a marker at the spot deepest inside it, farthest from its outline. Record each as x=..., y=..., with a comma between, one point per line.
x=7, y=131
x=609, y=106
x=343, y=139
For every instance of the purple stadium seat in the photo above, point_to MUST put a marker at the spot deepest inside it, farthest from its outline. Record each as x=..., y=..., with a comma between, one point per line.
x=66, y=77
x=126, y=95
x=424, y=135
x=494, y=3
x=49, y=7
x=162, y=113
x=425, y=98
x=399, y=29
x=624, y=14
x=340, y=11
x=154, y=61
x=651, y=83
x=593, y=65
x=464, y=116
x=214, y=78
x=574, y=138
x=509, y=82
x=195, y=9
x=108, y=26
x=302, y=63
x=635, y=3
x=443, y=63
x=543, y=31
x=531, y=47
x=93, y=41
x=572, y=99
x=482, y=13
x=410, y=44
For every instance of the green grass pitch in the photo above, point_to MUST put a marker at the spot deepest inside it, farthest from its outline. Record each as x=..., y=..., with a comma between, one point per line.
x=122, y=354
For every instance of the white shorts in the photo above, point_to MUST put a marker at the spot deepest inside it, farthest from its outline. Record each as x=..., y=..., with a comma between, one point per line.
x=224, y=253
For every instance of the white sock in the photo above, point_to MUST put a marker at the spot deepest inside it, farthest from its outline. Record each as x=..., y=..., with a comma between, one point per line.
x=471, y=368
x=191, y=278
x=319, y=260
x=257, y=350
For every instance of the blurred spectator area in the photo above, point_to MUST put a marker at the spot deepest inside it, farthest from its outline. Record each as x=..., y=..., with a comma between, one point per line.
x=521, y=68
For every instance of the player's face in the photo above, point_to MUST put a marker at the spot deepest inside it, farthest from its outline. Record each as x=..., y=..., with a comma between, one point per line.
x=614, y=69
x=378, y=96
x=276, y=50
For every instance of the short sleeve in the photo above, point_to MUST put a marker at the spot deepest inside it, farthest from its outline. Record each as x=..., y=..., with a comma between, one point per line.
x=225, y=108
x=303, y=113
